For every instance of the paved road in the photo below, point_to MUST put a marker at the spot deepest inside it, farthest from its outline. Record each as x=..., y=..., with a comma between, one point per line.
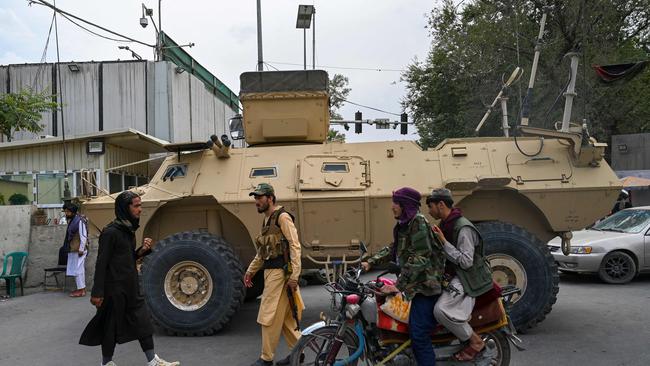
x=592, y=323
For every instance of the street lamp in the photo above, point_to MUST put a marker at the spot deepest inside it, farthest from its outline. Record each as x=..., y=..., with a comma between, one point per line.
x=305, y=14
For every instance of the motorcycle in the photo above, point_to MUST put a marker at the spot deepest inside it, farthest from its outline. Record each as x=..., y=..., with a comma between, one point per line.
x=360, y=331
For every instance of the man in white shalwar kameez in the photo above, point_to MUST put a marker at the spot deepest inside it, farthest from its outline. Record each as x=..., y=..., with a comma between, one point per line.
x=76, y=240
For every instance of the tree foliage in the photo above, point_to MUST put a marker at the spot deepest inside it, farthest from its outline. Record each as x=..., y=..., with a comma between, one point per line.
x=476, y=45
x=22, y=111
x=335, y=136
x=338, y=91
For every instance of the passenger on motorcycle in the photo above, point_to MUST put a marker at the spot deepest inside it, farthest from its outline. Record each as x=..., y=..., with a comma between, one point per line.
x=421, y=259
x=467, y=273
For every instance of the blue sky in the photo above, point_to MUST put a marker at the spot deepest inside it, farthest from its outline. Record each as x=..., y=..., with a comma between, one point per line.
x=386, y=34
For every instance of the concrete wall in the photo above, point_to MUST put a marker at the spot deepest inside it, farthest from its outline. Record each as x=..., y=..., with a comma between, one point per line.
x=631, y=152
x=14, y=229
x=44, y=253
x=41, y=242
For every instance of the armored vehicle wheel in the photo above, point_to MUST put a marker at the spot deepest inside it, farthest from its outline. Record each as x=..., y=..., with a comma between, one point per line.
x=519, y=258
x=192, y=283
x=617, y=268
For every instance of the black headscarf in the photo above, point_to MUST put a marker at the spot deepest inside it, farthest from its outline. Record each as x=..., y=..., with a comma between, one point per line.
x=123, y=214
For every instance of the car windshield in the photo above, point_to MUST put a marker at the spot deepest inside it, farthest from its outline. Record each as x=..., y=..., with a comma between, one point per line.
x=626, y=221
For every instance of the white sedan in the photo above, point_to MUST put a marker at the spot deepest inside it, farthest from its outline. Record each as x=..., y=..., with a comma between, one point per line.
x=617, y=248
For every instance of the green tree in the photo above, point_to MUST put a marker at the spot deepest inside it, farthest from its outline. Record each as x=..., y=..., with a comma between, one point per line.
x=335, y=136
x=338, y=91
x=475, y=45
x=22, y=111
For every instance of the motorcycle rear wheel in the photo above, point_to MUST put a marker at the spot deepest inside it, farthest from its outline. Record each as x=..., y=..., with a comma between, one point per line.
x=502, y=347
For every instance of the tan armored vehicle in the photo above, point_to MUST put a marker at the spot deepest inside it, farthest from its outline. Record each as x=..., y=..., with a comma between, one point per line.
x=198, y=210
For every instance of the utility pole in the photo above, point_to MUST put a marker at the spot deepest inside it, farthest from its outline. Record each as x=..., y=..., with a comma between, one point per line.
x=260, y=59
x=313, y=41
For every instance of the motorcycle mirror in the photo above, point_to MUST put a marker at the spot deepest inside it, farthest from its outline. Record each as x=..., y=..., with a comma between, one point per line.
x=362, y=248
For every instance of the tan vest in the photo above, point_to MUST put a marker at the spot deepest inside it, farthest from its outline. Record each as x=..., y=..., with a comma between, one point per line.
x=270, y=241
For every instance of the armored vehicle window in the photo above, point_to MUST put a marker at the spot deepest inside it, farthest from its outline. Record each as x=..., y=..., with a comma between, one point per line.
x=335, y=168
x=175, y=171
x=263, y=172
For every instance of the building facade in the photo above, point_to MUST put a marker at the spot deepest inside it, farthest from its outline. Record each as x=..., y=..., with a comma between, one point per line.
x=113, y=114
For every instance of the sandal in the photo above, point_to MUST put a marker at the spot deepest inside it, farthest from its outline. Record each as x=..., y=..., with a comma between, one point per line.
x=78, y=293
x=468, y=353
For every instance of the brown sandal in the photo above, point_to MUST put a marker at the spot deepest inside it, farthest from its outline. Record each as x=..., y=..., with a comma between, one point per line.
x=78, y=293
x=467, y=354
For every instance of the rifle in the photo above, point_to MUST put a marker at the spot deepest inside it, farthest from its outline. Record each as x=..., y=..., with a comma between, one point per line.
x=288, y=270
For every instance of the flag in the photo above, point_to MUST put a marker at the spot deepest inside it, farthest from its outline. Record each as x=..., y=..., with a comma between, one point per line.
x=611, y=73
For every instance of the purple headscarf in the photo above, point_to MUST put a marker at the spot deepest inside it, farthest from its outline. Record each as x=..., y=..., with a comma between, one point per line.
x=409, y=200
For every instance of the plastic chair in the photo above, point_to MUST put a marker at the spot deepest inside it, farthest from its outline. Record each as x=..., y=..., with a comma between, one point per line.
x=18, y=262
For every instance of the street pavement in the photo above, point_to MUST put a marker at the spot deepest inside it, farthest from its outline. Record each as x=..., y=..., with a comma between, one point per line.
x=591, y=324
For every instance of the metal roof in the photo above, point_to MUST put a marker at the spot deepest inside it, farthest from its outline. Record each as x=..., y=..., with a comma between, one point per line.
x=126, y=138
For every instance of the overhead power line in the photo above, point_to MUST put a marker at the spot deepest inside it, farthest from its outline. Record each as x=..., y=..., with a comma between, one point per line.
x=64, y=13
x=373, y=108
x=342, y=67
x=94, y=33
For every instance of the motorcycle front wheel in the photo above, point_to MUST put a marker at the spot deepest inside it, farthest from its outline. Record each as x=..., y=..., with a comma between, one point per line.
x=312, y=348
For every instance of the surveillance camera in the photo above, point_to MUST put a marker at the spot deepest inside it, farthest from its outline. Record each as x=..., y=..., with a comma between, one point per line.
x=144, y=22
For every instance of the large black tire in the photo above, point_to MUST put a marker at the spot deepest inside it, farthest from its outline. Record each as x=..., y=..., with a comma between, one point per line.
x=520, y=258
x=617, y=268
x=204, y=262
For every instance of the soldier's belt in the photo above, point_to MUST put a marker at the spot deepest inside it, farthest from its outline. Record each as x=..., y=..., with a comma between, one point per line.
x=274, y=263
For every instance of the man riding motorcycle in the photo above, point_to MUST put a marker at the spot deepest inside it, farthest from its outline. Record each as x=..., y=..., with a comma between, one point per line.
x=421, y=259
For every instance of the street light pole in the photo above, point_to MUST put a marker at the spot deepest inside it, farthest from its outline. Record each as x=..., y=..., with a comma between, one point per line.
x=260, y=62
x=313, y=41
x=305, y=14
x=304, y=41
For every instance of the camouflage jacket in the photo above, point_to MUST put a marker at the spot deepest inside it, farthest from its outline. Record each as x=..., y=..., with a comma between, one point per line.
x=420, y=257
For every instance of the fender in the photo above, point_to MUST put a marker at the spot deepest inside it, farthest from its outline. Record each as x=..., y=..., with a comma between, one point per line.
x=310, y=329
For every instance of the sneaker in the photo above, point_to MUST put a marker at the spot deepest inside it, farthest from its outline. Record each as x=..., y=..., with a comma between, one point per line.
x=157, y=361
x=110, y=363
x=261, y=362
x=287, y=360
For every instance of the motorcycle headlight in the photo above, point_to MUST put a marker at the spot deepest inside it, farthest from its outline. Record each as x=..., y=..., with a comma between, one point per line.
x=351, y=310
x=581, y=250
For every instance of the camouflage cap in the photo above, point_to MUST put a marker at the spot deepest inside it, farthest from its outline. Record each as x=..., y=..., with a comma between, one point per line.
x=440, y=194
x=263, y=189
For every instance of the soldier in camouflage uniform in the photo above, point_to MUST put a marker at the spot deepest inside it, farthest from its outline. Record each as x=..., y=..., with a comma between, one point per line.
x=421, y=259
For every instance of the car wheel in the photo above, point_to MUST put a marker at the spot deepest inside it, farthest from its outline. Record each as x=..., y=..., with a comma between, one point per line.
x=617, y=268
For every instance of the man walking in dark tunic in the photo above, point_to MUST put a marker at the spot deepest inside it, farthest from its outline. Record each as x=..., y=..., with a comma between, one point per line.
x=122, y=315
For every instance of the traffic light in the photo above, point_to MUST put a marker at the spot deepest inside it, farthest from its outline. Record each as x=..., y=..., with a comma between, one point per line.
x=357, y=125
x=403, y=128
